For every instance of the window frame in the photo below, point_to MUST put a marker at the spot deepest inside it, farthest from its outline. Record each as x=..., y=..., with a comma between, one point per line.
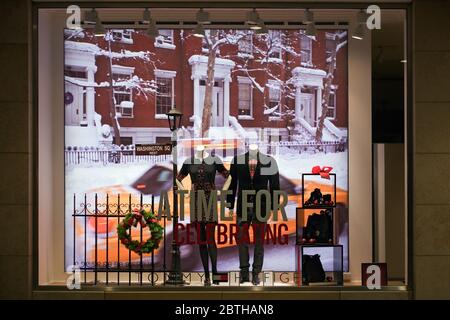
x=245, y=81
x=122, y=39
x=278, y=49
x=332, y=93
x=308, y=63
x=328, y=37
x=164, y=74
x=164, y=41
x=272, y=84
x=248, y=39
x=127, y=71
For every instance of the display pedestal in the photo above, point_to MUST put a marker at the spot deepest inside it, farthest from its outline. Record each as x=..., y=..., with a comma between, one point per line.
x=331, y=260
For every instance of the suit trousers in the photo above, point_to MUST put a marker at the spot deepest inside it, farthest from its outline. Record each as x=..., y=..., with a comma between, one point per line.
x=259, y=229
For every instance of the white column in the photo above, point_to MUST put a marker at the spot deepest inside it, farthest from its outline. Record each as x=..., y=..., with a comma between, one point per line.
x=196, y=96
x=90, y=98
x=319, y=102
x=226, y=101
x=298, y=102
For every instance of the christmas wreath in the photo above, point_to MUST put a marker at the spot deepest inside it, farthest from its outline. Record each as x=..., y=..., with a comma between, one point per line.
x=145, y=219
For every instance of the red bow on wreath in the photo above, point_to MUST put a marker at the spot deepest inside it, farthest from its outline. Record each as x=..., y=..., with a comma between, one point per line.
x=138, y=218
x=324, y=171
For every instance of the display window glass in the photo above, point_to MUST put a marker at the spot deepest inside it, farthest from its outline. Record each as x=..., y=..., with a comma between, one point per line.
x=238, y=158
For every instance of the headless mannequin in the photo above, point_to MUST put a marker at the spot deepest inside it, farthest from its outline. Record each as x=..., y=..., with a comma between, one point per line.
x=206, y=230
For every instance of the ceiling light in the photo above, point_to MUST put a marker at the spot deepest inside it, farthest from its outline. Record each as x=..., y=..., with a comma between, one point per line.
x=99, y=29
x=255, y=27
x=203, y=17
x=259, y=25
x=146, y=16
x=262, y=30
x=90, y=16
x=252, y=17
x=311, y=30
x=309, y=16
x=199, y=31
x=359, y=32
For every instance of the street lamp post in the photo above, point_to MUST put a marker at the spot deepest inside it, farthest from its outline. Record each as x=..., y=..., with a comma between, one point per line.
x=175, y=275
x=289, y=127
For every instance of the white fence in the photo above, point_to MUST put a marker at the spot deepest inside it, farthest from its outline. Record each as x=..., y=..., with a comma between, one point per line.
x=104, y=157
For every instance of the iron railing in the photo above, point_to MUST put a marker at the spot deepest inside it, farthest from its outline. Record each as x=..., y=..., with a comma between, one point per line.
x=95, y=239
x=105, y=157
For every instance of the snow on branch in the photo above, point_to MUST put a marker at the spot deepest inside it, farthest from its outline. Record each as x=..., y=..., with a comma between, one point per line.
x=223, y=37
x=146, y=86
x=138, y=83
x=341, y=45
x=268, y=110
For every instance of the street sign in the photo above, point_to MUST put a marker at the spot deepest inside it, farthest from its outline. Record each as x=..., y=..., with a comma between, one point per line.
x=155, y=149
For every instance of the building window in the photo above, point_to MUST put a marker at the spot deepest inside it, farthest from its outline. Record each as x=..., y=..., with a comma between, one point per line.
x=126, y=141
x=275, y=44
x=329, y=44
x=75, y=72
x=203, y=83
x=165, y=39
x=306, y=49
x=245, y=44
x=274, y=99
x=164, y=95
x=245, y=97
x=123, y=95
x=166, y=35
x=331, y=110
x=122, y=36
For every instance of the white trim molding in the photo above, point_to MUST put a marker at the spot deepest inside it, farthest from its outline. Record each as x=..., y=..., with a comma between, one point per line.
x=122, y=69
x=165, y=73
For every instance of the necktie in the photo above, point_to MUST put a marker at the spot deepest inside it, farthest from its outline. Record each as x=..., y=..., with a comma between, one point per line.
x=252, y=166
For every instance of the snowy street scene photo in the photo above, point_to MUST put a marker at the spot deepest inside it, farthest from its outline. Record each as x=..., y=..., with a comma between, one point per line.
x=282, y=90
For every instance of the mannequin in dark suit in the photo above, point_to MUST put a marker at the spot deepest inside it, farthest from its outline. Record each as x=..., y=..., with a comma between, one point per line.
x=252, y=171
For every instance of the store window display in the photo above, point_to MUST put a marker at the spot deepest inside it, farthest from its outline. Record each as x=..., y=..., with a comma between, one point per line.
x=106, y=176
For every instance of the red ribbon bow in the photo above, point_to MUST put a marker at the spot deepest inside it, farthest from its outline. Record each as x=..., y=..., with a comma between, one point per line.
x=324, y=171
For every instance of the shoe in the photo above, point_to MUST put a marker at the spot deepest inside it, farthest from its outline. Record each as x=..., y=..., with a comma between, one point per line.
x=255, y=279
x=244, y=277
x=315, y=199
x=207, y=282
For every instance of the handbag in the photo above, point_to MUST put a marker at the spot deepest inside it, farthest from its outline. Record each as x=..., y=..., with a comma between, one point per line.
x=312, y=269
x=318, y=227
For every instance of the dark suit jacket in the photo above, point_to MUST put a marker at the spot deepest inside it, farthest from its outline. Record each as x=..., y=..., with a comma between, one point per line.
x=266, y=177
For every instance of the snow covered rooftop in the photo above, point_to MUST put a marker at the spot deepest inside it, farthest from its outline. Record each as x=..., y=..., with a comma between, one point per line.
x=204, y=59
